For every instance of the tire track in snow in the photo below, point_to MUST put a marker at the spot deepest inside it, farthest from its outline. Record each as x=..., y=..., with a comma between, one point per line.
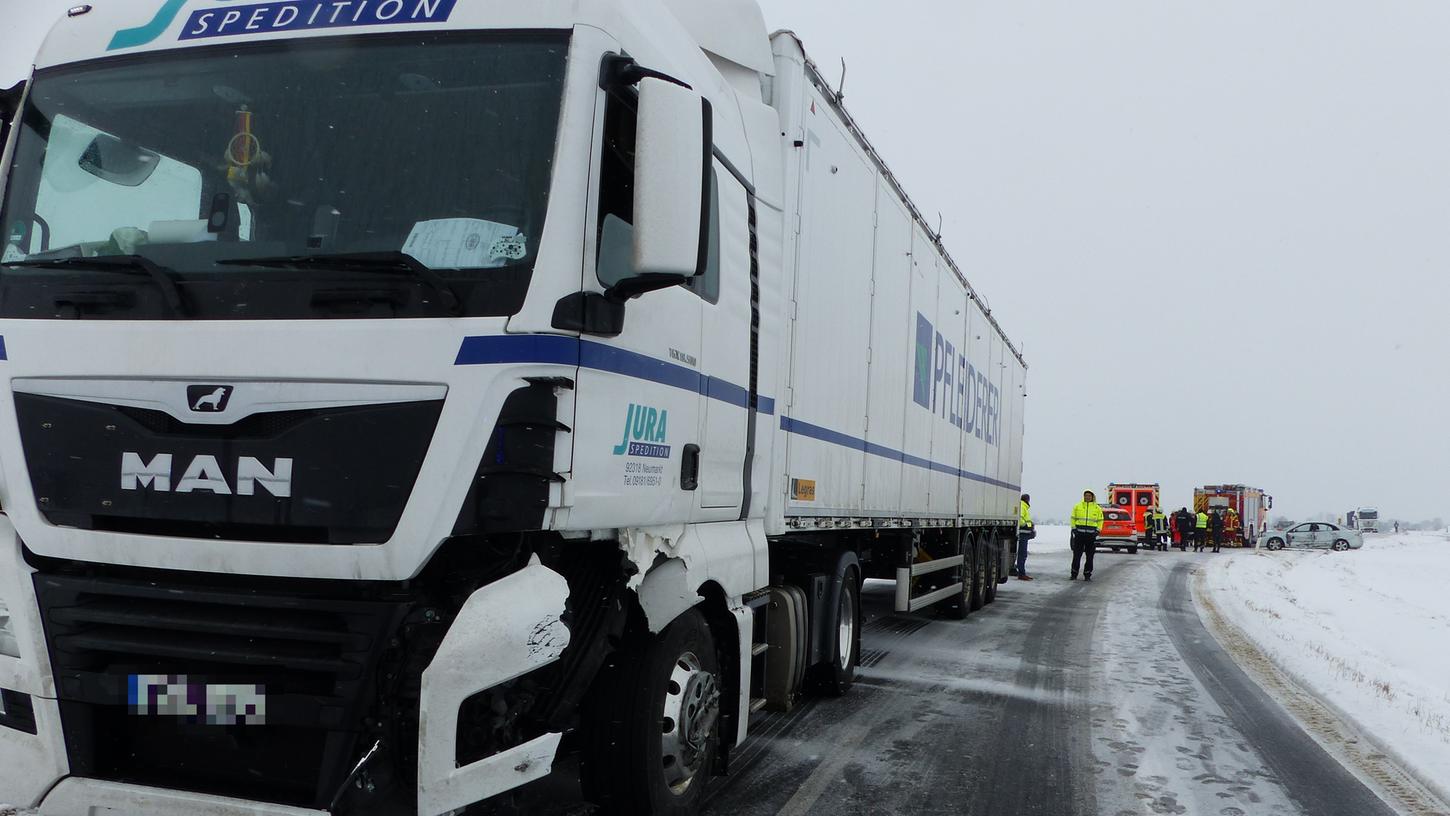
x=1333, y=732
x=1305, y=770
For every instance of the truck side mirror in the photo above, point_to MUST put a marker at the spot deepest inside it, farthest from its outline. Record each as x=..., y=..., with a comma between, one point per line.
x=673, y=147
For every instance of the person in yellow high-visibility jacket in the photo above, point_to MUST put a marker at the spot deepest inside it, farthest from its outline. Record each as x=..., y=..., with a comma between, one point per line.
x=1200, y=531
x=1159, y=539
x=1087, y=522
x=1025, y=533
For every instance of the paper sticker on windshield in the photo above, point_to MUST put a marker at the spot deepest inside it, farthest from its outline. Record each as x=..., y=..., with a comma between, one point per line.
x=12, y=254
x=512, y=247
x=262, y=18
x=465, y=243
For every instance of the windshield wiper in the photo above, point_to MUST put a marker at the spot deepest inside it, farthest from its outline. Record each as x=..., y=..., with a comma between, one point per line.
x=124, y=264
x=378, y=263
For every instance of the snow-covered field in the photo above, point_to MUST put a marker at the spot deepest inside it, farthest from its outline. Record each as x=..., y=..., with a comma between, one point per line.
x=1367, y=631
x=1051, y=538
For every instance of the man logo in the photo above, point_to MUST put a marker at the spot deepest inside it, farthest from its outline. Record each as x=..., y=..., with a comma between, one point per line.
x=208, y=399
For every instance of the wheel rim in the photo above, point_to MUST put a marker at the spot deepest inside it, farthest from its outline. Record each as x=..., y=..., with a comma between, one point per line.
x=692, y=705
x=1341, y=546
x=846, y=628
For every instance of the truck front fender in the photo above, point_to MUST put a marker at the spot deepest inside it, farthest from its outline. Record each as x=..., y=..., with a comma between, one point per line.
x=504, y=631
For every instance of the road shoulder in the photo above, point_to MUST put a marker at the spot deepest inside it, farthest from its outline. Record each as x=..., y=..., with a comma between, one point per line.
x=1372, y=764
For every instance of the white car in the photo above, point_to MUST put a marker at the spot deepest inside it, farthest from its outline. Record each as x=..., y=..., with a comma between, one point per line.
x=1322, y=535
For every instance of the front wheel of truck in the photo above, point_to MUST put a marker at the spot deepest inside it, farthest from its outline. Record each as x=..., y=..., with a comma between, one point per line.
x=651, y=732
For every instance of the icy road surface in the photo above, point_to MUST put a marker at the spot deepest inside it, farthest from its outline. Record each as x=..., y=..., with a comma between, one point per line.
x=1108, y=698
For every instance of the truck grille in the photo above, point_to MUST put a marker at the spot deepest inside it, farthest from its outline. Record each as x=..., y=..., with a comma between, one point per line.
x=351, y=470
x=315, y=648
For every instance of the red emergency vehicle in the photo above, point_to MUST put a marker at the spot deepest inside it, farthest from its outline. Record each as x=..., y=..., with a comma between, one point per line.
x=1138, y=499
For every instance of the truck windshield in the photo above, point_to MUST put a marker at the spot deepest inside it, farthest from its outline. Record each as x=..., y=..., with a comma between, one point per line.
x=234, y=169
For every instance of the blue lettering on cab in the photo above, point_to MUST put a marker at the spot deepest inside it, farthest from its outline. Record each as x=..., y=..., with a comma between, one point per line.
x=645, y=431
x=293, y=15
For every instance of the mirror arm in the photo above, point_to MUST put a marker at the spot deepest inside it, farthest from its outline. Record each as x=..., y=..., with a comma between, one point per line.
x=637, y=285
x=618, y=71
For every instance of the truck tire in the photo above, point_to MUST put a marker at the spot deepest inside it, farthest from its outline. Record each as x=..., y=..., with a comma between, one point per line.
x=960, y=607
x=651, y=730
x=979, y=575
x=1132, y=551
x=994, y=567
x=834, y=679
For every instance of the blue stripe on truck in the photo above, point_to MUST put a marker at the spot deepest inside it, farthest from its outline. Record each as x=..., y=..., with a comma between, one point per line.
x=796, y=426
x=558, y=350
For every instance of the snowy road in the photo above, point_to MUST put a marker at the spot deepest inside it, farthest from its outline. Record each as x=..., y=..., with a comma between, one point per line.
x=1061, y=698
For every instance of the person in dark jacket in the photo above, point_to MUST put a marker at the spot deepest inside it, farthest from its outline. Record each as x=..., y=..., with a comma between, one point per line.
x=1185, y=528
x=1215, y=529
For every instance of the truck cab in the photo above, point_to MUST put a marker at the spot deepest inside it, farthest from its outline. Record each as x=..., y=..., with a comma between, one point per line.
x=352, y=353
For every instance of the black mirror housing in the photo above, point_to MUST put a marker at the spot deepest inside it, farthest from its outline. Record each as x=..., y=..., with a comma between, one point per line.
x=633, y=287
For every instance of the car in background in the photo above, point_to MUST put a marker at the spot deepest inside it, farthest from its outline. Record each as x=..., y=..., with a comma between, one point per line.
x=1317, y=535
x=1119, y=532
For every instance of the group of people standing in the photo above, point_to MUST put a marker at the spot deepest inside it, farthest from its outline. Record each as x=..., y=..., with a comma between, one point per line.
x=1201, y=528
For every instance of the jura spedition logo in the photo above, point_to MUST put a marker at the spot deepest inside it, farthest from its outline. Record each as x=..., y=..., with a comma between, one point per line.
x=645, y=432
x=208, y=399
x=232, y=17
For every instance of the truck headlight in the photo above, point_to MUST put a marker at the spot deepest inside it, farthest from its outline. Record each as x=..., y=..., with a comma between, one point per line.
x=8, y=646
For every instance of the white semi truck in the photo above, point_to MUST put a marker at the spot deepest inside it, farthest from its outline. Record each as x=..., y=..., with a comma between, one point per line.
x=397, y=396
x=1367, y=520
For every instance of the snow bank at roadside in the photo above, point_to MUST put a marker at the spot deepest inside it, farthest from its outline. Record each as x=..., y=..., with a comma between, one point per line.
x=1051, y=538
x=1366, y=631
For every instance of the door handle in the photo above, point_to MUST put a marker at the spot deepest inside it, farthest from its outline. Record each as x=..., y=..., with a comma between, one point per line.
x=690, y=467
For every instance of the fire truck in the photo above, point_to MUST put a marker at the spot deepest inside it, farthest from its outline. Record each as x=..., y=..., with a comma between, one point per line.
x=1250, y=506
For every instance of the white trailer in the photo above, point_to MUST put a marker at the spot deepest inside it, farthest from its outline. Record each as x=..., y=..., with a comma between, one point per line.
x=390, y=390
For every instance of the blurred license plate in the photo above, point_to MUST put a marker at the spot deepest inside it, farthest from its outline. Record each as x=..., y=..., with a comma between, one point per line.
x=195, y=701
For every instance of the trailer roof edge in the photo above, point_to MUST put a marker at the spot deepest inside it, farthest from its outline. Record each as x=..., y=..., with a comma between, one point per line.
x=860, y=135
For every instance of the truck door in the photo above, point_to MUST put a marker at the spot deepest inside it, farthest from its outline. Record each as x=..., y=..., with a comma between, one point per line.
x=639, y=397
x=725, y=295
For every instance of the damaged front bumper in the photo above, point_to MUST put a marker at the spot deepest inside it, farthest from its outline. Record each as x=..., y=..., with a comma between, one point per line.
x=364, y=691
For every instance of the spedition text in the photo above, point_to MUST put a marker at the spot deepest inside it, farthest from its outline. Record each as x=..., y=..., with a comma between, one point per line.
x=303, y=14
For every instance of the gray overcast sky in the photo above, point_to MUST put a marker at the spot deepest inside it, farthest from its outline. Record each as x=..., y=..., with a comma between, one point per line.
x=1219, y=231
